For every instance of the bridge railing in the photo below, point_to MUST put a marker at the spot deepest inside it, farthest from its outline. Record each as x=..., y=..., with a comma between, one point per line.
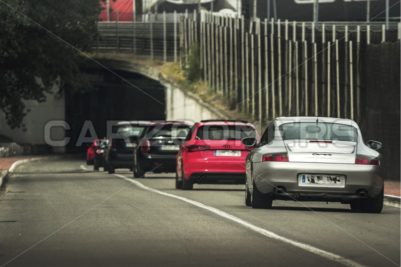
x=153, y=37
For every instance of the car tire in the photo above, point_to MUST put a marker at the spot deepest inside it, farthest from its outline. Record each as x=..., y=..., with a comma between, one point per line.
x=368, y=205
x=110, y=169
x=248, y=197
x=138, y=171
x=187, y=184
x=178, y=184
x=260, y=200
x=373, y=205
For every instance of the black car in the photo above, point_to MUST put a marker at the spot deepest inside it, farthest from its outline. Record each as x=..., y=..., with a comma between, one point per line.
x=158, y=148
x=100, y=147
x=125, y=137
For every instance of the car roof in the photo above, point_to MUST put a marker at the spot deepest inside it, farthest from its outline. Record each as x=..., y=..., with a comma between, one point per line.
x=283, y=120
x=123, y=123
x=225, y=122
x=188, y=123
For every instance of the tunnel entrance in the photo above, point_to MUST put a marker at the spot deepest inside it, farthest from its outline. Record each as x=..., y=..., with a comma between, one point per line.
x=114, y=96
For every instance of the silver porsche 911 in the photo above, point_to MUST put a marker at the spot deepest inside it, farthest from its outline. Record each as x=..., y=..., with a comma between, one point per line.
x=314, y=158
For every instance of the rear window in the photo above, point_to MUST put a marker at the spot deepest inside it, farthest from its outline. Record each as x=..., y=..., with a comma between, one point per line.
x=169, y=131
x=129, y=130
x=318, y=131
x=225, y=132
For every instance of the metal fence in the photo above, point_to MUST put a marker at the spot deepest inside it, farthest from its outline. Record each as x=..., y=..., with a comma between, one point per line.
x=154, y=37
x=274, y=68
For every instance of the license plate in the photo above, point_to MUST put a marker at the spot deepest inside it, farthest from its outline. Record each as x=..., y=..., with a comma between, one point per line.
x=228, y=153
x=321, y=180
x=169, y=148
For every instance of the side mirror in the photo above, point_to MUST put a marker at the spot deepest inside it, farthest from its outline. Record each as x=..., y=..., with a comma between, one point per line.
x=249, y=142
x=375, y=145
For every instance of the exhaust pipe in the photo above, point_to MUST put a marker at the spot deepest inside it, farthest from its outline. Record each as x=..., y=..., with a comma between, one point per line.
x=362, y=193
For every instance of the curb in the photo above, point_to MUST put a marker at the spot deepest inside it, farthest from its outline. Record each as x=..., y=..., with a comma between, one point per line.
x=391, y=200
x=4, y=175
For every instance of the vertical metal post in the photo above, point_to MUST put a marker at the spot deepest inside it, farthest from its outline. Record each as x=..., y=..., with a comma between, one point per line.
x=235, y=73
x=246, y=99
x=243, y=63
x=175, y=36
x=328, y=79
x=259, y=71
x=272, y=66
x=316, y=97
x=134, y=36
x=306, y=80
x=266, y=70
x=387, y=14
x=296, y=68
x=358, y=78
x=221, y=32
x=164, y=37
x=368, y=11
x=383, y=34
x=280, y=88
x=316, y=11
x=337, y=80
x=351, y=81
x=225, y=59
x=368, y=34
x=253, y=91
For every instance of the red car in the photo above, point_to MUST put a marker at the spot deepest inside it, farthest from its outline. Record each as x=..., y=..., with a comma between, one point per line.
x=214, y=153
x=90, y=152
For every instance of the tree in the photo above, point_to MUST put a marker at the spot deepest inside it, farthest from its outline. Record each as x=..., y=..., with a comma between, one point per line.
x=40, y=47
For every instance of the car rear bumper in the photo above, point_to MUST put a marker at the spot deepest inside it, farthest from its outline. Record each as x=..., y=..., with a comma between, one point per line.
x=281, y=178
x=217, y=178
x=152, y=162
x=214, y=165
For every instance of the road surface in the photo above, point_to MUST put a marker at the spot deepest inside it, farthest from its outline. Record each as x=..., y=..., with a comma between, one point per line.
x=56, y=212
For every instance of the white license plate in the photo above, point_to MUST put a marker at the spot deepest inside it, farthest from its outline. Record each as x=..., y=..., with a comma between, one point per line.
x=228, y=153
x=169, y=148
x=321, y=180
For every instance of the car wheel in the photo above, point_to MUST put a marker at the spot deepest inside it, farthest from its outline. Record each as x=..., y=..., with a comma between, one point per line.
x=138, y=171
x=373, y=205
x=110, y=169
x=260, y=200
x=178, y=184
x=248, y=199
x=186, y=184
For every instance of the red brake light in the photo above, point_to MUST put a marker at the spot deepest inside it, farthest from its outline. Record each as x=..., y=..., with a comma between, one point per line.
x=362, y=160
x=194, y=148
x=275, y=157
x=145, y=148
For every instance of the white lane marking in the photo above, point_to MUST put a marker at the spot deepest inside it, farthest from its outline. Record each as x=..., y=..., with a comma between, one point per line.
x=19, y=162
x=317, y=251
x=84, y=168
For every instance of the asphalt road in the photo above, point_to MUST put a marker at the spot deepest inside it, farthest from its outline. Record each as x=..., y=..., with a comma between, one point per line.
x=56, y=213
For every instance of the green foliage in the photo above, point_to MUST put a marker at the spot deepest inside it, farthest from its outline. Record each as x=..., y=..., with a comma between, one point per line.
x=40, y=46
x=192, y=69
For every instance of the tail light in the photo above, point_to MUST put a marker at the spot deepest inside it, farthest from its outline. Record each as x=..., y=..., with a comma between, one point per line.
x=195, y=148
x=363, y=160
x=275, y=157
x=145, y=148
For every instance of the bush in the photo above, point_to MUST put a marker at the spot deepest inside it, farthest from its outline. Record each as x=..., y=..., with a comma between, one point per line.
x=192, y=69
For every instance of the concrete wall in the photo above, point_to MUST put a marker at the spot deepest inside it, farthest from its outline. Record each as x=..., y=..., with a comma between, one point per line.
x=35, y=121
x=182, y=106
